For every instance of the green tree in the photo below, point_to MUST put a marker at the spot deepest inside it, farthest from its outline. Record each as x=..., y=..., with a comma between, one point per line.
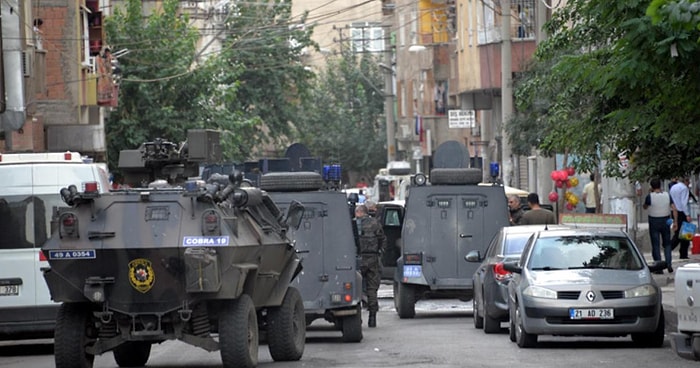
x=606, y=82
x=344, y=118
x=163, y=92
x=267, y=45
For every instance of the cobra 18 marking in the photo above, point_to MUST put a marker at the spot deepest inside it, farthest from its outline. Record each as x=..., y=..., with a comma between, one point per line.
x=72, y=254
x=205, y=241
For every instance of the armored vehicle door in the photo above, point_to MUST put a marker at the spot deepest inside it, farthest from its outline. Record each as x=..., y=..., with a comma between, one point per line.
x=457, y=224
x=311, y=246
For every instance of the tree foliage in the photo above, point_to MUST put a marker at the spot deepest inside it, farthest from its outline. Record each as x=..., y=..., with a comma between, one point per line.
x=267, y=44
x=606, y=82
x=344, y=119
x=249, y=90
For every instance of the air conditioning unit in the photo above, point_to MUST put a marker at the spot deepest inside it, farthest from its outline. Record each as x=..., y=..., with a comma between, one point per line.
x=28, y=62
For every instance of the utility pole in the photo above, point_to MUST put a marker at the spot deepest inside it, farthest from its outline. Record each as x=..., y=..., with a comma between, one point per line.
x=506, y=91
x=389, y=98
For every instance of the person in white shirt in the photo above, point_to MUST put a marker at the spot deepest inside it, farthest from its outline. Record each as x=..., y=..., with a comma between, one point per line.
x=679, y=208
x=658, y=203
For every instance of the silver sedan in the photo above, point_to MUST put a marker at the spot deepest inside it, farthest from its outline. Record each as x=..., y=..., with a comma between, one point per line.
x=591, y=282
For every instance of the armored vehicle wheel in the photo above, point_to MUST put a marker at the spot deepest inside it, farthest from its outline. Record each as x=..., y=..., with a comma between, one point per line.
x=406, y=303
x=478, y=319
x=70, y=337
x=352, y=327
x=652, y=339
x=238, y=333
x=522, y=338
x=291, y=181
x=132, y=353
x=286, y=332
x=455, y=176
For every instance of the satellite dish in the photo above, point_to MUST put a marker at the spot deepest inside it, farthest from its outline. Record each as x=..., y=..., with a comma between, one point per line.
x=295, y=153
x=451, y=154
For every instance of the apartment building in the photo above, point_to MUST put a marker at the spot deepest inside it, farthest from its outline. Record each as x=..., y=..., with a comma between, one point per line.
x=57, y=76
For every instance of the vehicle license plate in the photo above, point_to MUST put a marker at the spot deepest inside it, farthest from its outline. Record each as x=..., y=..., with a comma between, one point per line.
x=9, y=290
x=688, y=319
x=593, y=313
x=412, y=270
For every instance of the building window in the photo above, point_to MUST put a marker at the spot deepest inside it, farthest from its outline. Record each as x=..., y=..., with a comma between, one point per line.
x=367, y=38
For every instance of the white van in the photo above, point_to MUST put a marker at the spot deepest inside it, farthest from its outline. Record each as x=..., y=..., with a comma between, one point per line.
x=29, y=194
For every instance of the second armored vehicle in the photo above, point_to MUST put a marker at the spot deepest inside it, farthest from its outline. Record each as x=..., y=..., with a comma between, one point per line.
x=208, y=264
x=330, y=284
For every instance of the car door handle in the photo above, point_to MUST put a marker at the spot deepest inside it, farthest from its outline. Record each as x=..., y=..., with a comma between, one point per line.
x=465, y=236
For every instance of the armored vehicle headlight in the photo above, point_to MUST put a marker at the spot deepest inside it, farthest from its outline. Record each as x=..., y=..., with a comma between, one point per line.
x=420, y=179
x=211, y=223
x=68, y=225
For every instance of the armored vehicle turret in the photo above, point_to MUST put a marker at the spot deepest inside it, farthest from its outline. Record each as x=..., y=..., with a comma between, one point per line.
x=208, y=263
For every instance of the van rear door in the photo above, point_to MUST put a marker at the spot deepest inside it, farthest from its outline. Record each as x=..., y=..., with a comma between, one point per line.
x=456, y=227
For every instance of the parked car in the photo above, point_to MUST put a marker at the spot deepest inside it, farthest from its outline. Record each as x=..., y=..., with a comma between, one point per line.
x=591, y=282
x=490, y=300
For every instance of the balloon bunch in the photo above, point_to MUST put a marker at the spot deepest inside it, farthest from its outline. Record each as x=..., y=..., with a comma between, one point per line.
x=565, y=179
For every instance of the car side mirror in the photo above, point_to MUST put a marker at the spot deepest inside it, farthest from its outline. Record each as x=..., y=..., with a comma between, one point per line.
x=473, y=256
x=512, y=267
x=295, y=213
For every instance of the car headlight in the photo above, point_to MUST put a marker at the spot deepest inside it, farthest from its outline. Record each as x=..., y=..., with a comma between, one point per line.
x=540, y=292
x=644, y=290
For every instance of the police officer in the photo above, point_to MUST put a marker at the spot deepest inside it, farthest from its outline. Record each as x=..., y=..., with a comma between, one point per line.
x=372, y=243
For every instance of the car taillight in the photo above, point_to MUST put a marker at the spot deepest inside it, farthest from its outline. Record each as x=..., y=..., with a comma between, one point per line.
x=42, y=257
x=68, y=223
x=345, y=296
x=500, y=273
x=210, y=223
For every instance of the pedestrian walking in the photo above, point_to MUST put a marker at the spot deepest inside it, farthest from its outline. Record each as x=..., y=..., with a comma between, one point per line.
x=536, y=214
x=658, y=203
x=680, y=193
x=372, y=243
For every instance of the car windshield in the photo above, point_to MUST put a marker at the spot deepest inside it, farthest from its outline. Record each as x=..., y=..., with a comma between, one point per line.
x=515, y=243
x=576, y=252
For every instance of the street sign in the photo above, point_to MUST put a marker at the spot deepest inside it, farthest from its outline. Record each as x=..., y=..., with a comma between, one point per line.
x=461, y=118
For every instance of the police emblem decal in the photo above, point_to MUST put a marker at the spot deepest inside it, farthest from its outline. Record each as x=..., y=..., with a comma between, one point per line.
x=141, y=275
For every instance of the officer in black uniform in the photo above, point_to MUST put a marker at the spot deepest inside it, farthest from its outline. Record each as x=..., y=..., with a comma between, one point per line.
x=372, y=243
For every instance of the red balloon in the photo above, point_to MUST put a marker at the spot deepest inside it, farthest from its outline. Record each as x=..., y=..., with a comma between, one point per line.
x=554, y=175
x=559, y=184
x=569, y=206
x=553, y=196
x=571, y=171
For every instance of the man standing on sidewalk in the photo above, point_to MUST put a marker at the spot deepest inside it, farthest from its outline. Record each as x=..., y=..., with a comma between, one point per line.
x=679, y=198
x=659, y=205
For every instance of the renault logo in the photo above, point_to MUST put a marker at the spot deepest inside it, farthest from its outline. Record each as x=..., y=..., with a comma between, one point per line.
x=590, y=296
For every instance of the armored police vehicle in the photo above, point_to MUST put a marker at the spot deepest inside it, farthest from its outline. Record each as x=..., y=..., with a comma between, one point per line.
x=444, y=220
x=209, y=264
x=330, y=283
